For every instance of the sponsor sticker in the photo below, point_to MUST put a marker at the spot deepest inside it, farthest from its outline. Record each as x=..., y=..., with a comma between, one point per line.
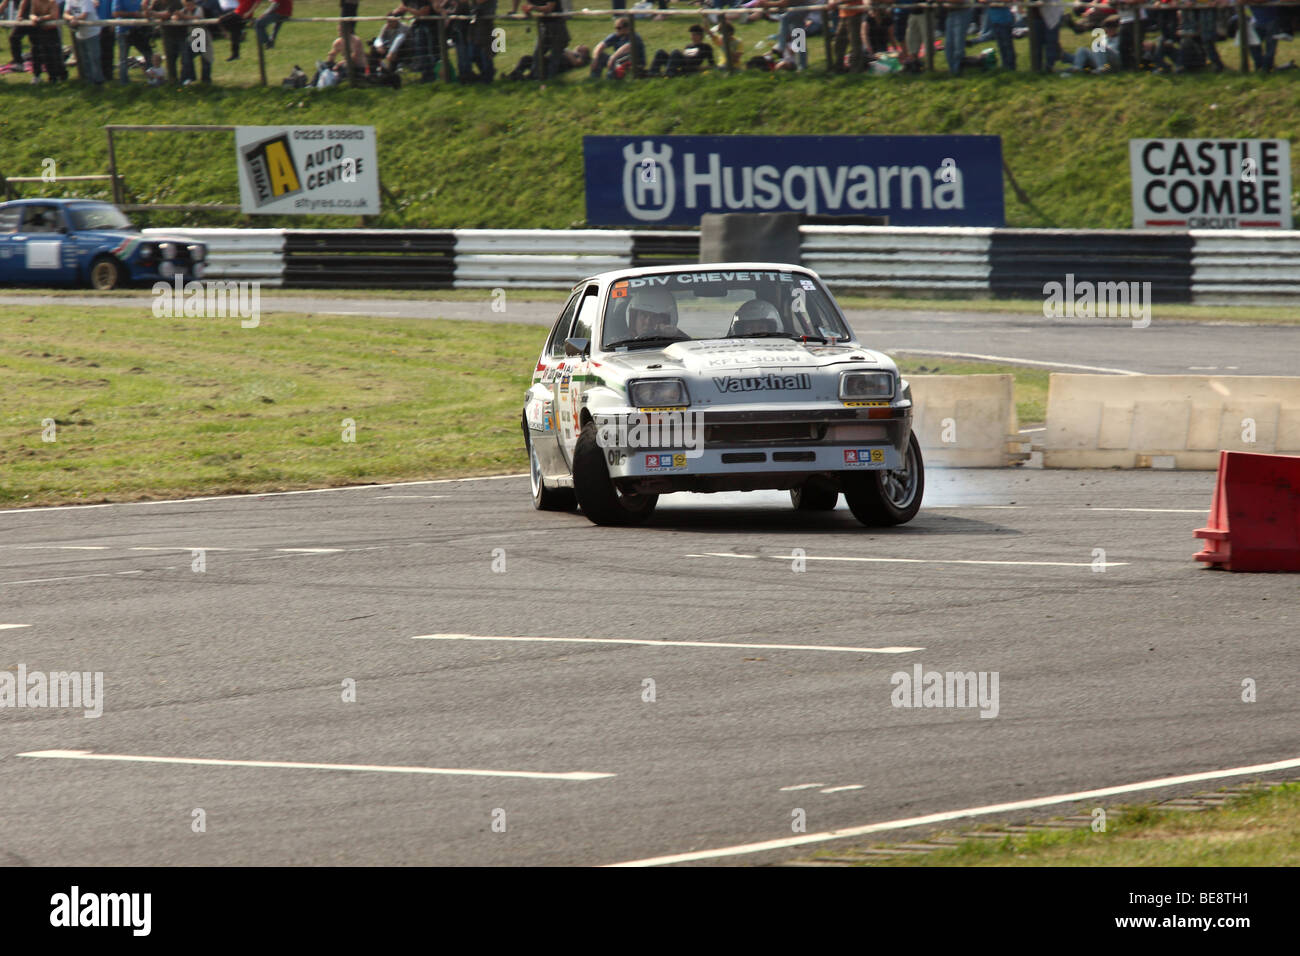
x=863, y=456
x=663, y=462
x=664, y=408
x=866, y=404
x=619, y=291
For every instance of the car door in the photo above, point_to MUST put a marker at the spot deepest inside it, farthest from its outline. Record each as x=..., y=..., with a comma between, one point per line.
x=37, y=256
x=10, y=217
x=573, y=380
x=540, y=411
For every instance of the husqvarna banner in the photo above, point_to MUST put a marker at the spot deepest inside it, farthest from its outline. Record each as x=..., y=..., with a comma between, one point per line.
x=330, y=170
x=914, y=180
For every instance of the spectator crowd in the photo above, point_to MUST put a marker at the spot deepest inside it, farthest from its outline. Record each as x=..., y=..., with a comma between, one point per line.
x=427, y=40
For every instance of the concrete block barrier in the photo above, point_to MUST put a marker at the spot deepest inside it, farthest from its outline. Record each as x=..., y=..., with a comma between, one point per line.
x=1168, y=421
x=966, y=421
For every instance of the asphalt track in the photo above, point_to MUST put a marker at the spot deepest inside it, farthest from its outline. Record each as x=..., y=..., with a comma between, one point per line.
x=1081, y=345
x=1106, y=677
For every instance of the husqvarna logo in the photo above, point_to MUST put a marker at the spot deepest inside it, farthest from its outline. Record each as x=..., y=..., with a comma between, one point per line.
x=649, y=187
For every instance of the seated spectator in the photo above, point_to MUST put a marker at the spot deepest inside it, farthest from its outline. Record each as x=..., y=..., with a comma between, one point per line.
x=688, y=60
x=339, y=67
x=575, y=59
x=154, y=73
x=618, y=52
x=268, y=25
x=1099, y=56
x=723, y=35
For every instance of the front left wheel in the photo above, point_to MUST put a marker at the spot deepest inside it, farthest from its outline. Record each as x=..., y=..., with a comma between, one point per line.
x=883, y=498
x=106, y=274
x=600, y=499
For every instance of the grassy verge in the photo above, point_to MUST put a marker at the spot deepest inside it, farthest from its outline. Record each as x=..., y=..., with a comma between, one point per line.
x=1260, y=828
x=156, y=407
x=509, y=154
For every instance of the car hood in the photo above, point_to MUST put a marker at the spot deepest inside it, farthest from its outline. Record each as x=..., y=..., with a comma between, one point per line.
x=713, y=356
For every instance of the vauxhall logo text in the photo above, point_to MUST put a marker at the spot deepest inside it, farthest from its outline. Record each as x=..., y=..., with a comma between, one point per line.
x=650, y=178
x=761, y=383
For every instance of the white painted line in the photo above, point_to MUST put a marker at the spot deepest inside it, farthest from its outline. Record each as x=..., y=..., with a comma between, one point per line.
x=293, y=765
x=1026, y=431
x=261, y=494
x=58, y=547
x=851, y=786
x=804, y=786
x=982, y=507
x=179, y=548
x=6, y=627
x=645, y=643
x=413, y=497
x=810, y=557
x=310, y=550
x=1011, y=361
x=946, y=816
x=1169, y=511
x=71, y=577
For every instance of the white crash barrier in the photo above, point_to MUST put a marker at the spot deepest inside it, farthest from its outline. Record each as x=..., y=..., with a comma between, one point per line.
x=966, y=421
x=1168, y=421
x=237, y=253
x=952, y=259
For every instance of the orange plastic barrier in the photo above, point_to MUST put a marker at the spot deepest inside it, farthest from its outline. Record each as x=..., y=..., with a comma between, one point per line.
x=1255, y=519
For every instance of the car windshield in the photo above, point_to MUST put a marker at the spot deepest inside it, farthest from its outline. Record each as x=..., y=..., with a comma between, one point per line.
x=98, y=215
x=654, y=310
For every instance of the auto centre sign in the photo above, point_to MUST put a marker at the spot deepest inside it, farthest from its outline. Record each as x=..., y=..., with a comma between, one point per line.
x=914, y=180
x=1211, y=183
x=307, y=170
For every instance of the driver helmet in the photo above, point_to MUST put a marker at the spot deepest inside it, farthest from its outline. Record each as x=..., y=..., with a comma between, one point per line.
x=648, y=309
x=757, y=309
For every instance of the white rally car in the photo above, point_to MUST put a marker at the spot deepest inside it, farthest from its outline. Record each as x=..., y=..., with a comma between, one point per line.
x=721, y=377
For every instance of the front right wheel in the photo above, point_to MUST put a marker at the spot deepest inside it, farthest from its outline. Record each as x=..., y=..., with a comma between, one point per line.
x=883, y=498
x=598, y=497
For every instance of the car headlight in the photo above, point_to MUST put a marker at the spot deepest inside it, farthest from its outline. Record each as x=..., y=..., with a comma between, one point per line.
x=197, y=252
x=657, y=392
x=169, y=250
x=148, y=250
x=862, y=386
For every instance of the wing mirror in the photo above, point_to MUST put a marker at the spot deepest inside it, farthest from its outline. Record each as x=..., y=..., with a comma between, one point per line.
x=576, y=346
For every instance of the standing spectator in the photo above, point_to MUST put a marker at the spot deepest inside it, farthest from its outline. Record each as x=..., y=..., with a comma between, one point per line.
x=999, y=21
x=1207, y=25
x=848, y=34
x=107, y=37
x=688, y=60
x=1264, y=19
x=268, y=25
x=621, y=48
x=130, y=36
x=421, y=33
x=47, y=40
x=198, y=42
x=83, y=17
x=552, y=36
x=458, y=36
x=173, y=34
x=21, y=10
x=1045, y=24
x=481, y=66
x=910, y=26
x=954, y=35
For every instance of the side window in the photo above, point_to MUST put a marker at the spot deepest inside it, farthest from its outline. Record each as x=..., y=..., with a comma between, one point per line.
x=586, y=321
x=40, y=219
x=9, y=218
x=555, y=348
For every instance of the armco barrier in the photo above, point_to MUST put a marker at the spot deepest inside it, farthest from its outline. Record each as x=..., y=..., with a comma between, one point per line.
x=1170, y=421
x=1202, y=266
x=966, y=421
x=950, y=261
x=1023, y=261
x=1255, y=519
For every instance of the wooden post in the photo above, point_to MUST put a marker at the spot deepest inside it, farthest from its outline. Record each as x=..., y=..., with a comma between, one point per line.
x=726, y=42
x=1241, y=35
x=112, y=170
x=1036, y=27
x=631, y=54
x=445, y=60
x=826, y=35
x=929, y=38
x=261, y=56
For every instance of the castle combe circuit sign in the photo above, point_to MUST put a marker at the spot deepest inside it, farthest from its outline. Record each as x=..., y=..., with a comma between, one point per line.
x=307, y=170
x=914, y=180
x=1211, y=183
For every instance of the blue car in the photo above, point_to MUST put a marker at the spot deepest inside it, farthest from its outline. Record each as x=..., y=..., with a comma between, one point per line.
x=84, y=242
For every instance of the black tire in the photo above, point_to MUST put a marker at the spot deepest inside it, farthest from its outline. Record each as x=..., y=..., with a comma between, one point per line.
x=544, y=498
x=106, y=274
x=600, y=500
x=814, y=495
x=883, y=498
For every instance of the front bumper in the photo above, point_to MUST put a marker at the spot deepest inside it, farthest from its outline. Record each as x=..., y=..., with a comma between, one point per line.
x=783, y=459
